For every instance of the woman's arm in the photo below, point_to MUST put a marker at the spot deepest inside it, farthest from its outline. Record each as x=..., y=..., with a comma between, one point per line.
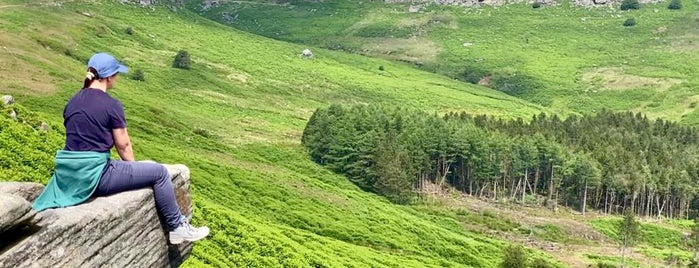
x=123, y=144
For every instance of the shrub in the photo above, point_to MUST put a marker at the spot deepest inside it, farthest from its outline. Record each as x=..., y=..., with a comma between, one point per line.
x=129, y=30
x=515, y=257
x=472, y=75
x=515, y=84
x=605, y=265
x=675, y=4
x=541, y=263
x=381, y=68
x=536, y=5
x=138, y=75
x=182, y=60
x=630, y=4
x=673, y=260
x=630, y=22
x=203, y=132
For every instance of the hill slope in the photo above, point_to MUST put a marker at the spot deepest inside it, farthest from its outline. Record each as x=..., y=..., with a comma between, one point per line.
x=235, y=119
x=561, y=56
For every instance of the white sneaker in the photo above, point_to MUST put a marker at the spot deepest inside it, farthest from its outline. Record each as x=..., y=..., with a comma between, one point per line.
x=187, y=232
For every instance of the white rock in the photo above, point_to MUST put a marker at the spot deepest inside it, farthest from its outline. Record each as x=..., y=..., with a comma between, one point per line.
x=307, y=53
x=7, y=100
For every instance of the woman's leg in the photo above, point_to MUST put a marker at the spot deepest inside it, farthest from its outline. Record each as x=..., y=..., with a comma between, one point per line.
x=124, y=176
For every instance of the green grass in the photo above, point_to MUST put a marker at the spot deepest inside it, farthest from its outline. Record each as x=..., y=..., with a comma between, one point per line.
x=561, y=54
x=553, y=233
x=680, y=223
x=663, y=254
x=612, y=261
x=484, y=220
x=235, y=120
x=656, y=241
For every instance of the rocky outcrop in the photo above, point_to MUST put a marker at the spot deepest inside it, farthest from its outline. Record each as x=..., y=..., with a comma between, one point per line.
x=173, y=5
x=121, y=230
x=585, y=3
x=207, y=4
x=145, y=3
x=6, y=100
x=459, y=2
x=15, y=211
x=26, y=190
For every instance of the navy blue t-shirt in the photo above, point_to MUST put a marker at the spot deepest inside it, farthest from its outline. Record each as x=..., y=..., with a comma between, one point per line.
x=89, y=118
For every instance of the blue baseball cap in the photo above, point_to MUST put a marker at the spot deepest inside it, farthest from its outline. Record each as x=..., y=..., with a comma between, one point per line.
x=106, y=65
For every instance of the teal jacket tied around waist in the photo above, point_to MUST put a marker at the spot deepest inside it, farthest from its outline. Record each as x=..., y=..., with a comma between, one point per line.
x=75, y=178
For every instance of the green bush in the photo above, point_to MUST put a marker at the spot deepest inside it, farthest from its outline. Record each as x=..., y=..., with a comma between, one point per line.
x=182, y=60
x=536, y=5
x=605, y=265
x=129, y=30
x=630, y=22
x=673, y=260
x=203, y=132
x=514, y=84
x=514, y=257
x=138, y=75
x=25, y=153
x=675, y=4
x=630, y=4
x=541, y=263
x=472, y=75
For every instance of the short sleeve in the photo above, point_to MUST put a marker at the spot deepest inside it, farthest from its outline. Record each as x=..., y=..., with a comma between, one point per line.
x=116, y=116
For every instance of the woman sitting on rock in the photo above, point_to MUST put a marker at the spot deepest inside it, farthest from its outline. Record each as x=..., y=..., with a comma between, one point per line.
x=95, y=122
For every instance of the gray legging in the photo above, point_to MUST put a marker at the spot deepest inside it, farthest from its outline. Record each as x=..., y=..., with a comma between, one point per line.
x=122, y=176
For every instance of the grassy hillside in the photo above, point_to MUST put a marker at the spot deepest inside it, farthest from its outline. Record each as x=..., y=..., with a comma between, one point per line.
x=560, y=56
x=236, y=119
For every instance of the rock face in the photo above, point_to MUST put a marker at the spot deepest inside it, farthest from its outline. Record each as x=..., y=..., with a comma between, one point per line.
x=458, y=2
x=15, y=211
x=27, y=190
x=121, y=230
x=207, y=4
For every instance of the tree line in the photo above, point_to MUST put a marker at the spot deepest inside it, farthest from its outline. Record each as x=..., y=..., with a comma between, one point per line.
x=608, y=161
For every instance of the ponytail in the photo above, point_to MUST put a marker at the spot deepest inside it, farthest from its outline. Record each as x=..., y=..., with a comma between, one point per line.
x=90, y=76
